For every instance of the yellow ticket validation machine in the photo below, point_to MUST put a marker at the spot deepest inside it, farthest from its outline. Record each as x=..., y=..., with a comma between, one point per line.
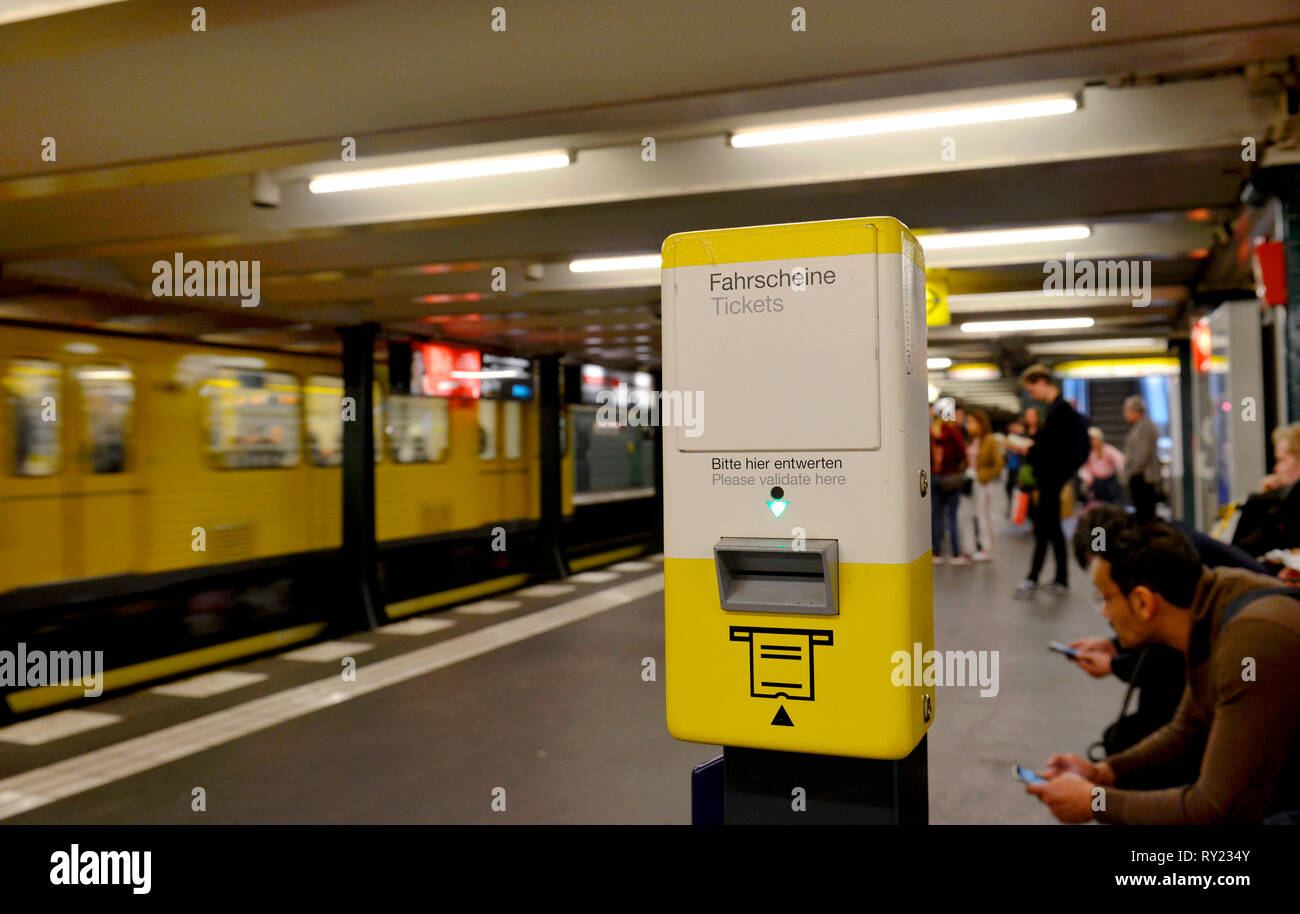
x=796, y=510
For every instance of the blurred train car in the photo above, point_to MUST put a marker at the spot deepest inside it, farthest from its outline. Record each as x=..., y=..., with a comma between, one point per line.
x=177, y=505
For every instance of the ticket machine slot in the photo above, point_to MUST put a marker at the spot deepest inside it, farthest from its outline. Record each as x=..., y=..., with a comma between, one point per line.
x=776, y=575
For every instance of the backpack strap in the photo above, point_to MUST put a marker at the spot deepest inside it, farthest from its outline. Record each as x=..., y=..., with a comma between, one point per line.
x=1199, y=650
x=1251, y=596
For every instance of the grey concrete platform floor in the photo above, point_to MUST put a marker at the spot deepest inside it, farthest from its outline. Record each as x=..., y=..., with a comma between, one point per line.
x=1045, y=703
x=565, y=724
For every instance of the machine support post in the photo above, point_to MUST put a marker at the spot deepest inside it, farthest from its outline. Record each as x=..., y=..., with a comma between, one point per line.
x=550, y=404
x=764, y=787
x=359, y=553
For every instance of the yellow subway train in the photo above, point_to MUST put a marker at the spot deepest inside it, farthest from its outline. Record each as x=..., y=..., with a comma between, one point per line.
x=139, y=456
x=161, y=497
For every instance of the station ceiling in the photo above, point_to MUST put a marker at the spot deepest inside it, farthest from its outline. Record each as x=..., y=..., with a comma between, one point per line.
x=159, y=130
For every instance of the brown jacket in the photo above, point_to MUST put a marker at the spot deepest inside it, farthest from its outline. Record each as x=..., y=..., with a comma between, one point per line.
x=989, y=462
x=1249, y=728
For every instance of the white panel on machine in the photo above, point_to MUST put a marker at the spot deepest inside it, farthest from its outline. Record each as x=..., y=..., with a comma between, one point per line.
x=811, y=326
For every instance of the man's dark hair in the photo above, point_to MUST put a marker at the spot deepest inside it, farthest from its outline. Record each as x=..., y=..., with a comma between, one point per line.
x=1109, y=518
x=1154, y=555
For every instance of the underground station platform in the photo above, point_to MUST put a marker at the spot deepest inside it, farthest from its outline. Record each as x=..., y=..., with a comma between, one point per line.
x=549, y=438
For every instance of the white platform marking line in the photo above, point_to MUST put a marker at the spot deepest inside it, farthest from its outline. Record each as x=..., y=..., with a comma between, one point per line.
x=594, y=577
x=489, y=607
x=416, y=626
x=209, y=684
x=40, y=786
x=545, y=590
x=326, y=651
x=54, y=726
x=632, y=566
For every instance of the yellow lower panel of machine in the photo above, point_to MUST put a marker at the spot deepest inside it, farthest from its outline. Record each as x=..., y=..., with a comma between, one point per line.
x=833, y=685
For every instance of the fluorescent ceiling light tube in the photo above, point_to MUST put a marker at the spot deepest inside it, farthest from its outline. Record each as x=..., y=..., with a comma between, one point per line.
x=927, y=119
x=606, y=264
x=1056, y=323
x=1150, y=344
x=937, y=363
x=956, y=240
x=437, y=171
x=21, y=11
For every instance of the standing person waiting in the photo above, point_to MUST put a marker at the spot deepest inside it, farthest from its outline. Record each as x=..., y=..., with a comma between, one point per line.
x=984, y=455
x=1015, y=431
x=1019, y=445
x=1101, y=471
x=1141, y=461
x=947, y=466
x=1054, y=457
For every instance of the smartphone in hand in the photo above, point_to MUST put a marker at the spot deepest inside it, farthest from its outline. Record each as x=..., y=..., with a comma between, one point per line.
x=1027, y=775
x=1060, y=648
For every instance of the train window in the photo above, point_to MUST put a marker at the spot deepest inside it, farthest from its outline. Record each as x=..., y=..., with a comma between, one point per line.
x=514, y=429
x=34, y=386
x=608, y=456
x=252, y=418
x=417, y=428
x=487, y=429
x=323, y=397
x=107, y=400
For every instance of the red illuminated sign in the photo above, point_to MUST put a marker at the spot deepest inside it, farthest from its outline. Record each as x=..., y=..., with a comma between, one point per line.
x=1270, y=272
x=445, y=371
x=1201, y=344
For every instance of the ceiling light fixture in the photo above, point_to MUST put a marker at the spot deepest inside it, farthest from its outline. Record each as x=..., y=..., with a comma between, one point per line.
x=1057, y=323
x=437, y=171
x=959, y=240
x=925, y=119
x=606, y=264
x=1143, y=344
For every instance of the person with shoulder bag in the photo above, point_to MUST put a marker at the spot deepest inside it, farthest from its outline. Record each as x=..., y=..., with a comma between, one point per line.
x=947, y=466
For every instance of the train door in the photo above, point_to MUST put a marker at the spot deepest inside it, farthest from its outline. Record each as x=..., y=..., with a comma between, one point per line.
x=104, y=465
x=490, y=465
x=34, y=493
x=518, y=482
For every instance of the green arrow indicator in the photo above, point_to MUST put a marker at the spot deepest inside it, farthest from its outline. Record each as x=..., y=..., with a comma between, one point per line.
x=777, y=506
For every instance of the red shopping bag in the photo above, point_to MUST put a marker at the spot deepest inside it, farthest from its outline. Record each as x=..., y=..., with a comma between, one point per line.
x=1020, y=507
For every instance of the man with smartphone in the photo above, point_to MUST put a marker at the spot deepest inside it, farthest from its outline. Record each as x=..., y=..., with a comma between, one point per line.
x=1240, y=710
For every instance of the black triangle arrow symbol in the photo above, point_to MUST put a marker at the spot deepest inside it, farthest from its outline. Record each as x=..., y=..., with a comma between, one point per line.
x=782, y=719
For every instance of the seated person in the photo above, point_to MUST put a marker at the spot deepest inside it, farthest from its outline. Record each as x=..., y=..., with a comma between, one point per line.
x=1270, y=519
x=1241, y=708
x=1156, y=672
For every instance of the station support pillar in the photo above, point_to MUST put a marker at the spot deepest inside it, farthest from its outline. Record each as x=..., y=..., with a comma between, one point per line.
x=1283, y=182
x=1186, y=405
x=362, y=602
x=550, y=408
